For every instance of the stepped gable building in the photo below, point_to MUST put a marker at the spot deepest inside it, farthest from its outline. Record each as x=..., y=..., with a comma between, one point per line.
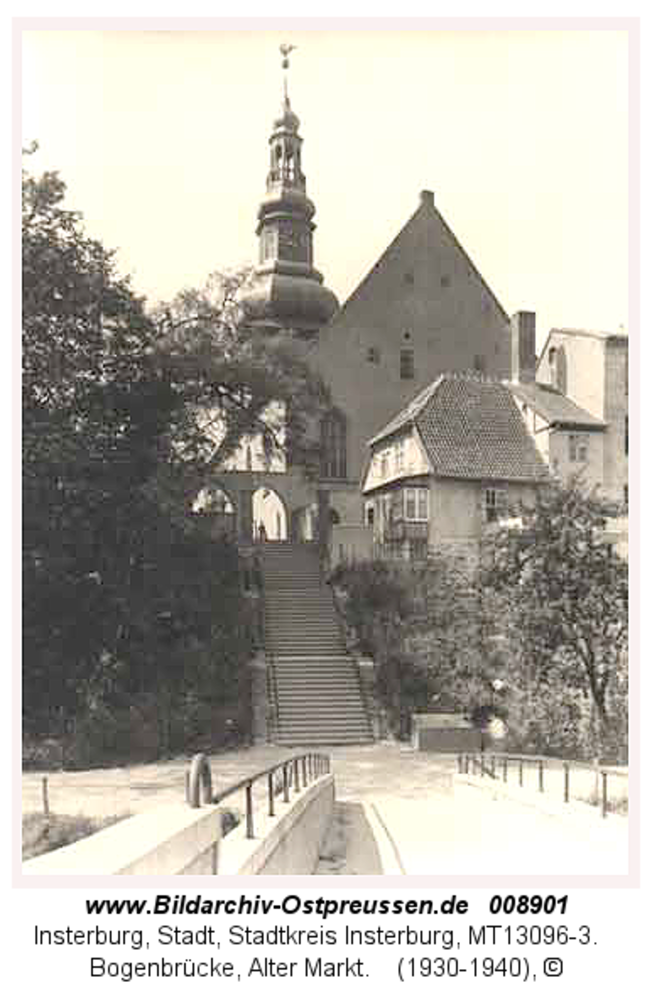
x=450, y=463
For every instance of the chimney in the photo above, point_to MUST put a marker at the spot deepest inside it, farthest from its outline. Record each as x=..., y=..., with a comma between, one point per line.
x=524, y=358
x=427, y=198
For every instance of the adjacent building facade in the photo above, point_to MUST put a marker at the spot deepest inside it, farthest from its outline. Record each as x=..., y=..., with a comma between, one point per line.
x=574, y=401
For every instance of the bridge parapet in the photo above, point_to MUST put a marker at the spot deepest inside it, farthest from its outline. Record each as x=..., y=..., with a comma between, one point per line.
x=282, y=836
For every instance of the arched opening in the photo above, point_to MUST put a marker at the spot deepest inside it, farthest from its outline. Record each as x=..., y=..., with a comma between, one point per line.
x=215, y=504
x=269, y=515
x=305, y=523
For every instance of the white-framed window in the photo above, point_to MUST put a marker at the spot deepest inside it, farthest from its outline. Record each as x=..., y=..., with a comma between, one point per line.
x=384, y=464
x=415, y=503
x=578, y=447
x=495, y=502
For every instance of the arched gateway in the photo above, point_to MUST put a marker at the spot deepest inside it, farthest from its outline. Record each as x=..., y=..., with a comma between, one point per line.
x=291, y=508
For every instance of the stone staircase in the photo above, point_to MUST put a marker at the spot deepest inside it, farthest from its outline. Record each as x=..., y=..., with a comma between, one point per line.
x=314, y=681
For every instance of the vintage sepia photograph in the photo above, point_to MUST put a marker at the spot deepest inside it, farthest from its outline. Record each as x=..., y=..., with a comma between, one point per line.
x=325, y=445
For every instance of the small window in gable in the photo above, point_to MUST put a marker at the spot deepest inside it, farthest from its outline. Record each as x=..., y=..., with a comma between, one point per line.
x=406, y=368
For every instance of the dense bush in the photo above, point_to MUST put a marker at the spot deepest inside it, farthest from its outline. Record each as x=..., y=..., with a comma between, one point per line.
x=535, y=634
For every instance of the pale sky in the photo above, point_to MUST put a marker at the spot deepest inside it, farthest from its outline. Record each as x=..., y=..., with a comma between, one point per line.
x=161, y=137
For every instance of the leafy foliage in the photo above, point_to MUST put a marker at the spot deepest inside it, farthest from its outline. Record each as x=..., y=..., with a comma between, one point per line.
x=536, y=635
x=235, y=382
x=567, y=593
x=123, y=595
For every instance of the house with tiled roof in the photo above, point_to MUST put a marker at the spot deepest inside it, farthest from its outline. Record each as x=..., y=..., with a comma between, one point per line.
x=449, y=464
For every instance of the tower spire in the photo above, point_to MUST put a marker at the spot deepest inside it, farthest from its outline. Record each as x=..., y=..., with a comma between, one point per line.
x=288, y=290
x=285, y=50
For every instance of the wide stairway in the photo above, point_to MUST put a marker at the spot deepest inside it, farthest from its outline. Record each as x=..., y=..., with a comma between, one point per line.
x=314, y=681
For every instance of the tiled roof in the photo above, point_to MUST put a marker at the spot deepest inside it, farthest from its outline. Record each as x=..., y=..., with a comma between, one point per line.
x=554, y=406
x=408, y=413
x=471, y=428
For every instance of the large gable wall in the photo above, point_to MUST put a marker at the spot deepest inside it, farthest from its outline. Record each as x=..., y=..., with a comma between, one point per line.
x=424, y=285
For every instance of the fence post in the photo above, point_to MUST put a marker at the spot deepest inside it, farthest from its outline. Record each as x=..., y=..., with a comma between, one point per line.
x=46, y=800
x=540, y=775
x=286, y=784
x=505, y=765
x=520, y=771
x=604, y=794
x=270, y=790
x=566, y=781
x=250, y=811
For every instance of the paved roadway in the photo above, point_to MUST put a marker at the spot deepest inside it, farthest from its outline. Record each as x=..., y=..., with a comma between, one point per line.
x=425, y=825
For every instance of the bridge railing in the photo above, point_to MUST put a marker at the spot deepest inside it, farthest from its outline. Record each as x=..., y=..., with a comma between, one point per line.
x=600, y=785
x=287, y=777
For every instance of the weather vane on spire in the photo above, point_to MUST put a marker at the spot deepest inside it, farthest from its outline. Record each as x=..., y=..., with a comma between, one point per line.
x=285, y=50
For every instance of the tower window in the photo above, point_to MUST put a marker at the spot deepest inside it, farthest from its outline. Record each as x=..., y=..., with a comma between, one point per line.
x=445, y=281
x=373, y=355
x=480, y=363
x=407, y=363
x=409, y=277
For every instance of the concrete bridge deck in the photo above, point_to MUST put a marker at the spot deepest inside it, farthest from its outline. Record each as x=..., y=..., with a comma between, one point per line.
x=423, y=820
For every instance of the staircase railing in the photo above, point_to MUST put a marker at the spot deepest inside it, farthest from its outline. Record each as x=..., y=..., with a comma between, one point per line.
x=272, y=687
x=364, y=701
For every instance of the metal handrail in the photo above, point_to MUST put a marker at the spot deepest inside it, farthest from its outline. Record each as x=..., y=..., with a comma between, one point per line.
x=487, y=765
x=339, y=616
x=296, y=772
x=269, y=656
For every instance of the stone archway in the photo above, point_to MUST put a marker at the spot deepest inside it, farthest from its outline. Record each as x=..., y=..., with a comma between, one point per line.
x=270, y=517
x=217, y=508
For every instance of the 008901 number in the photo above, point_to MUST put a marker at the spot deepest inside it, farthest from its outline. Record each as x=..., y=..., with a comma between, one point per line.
x=528, y=904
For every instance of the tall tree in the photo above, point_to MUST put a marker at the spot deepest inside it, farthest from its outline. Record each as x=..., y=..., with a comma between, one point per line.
x=121, y=590
x=236, y=382
x=568, y=594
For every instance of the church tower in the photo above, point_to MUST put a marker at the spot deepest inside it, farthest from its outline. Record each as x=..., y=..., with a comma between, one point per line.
x=287, y=292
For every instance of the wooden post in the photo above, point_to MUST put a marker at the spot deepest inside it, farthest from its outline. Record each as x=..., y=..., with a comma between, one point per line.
x=46, y=800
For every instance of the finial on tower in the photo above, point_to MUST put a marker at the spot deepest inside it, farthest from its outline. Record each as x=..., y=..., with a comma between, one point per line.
x=285, y=50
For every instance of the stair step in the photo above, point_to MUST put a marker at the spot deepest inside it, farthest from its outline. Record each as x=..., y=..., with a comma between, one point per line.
x=315, y=679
